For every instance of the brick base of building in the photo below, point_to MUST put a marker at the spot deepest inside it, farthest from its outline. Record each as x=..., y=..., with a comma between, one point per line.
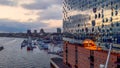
x=76, y=56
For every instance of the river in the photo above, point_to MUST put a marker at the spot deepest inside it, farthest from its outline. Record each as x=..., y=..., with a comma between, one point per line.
x=14, y=57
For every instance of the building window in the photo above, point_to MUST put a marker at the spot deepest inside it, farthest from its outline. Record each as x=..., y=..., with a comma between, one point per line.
x=86, y=29
x=103, y=30
x=99, y=29
x=92, y=29
x=99, y=15
x=106, y=20
x=82, y=30
x=78, y=25
x=116, y=6
x=111, y=19
x=93, y=23
x=103, y=21
x=110, y=29
x=76, y=55
x=111, y=3
x=111, y=13
x=112, y=24
x=106, y=5
x=94, y=10
x=102, y=25
x=117, y=24
x=69, y=65
x=107, y=30
x=116, y=12
x=95, y=16
x=76, y=66
x=118, y=60
x=92, y=58
x=103, y=6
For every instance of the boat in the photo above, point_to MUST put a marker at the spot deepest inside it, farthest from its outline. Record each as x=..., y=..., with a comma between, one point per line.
x=29, y=43
x=29, y=48
x=24, y=43
x=1, y=48
x=45, y=47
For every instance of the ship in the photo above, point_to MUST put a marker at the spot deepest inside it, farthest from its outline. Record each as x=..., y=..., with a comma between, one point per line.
x=29, y=43
x=91, y=30
x=1, y=48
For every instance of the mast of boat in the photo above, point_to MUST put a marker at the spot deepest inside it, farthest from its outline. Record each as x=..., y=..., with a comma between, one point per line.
x=29, y=41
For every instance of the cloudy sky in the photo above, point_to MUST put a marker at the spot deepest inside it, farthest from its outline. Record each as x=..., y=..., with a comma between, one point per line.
x=20, y=15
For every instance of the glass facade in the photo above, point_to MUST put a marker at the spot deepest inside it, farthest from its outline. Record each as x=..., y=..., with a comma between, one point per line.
x=97, y=18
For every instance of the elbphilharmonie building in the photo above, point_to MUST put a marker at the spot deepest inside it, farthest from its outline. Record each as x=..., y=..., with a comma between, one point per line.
x=91, y=31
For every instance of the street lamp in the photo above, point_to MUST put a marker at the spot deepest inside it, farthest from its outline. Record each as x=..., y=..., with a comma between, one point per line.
x=108, y=57
x=109, y=52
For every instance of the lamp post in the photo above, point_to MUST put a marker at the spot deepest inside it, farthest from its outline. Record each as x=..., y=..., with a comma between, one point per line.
x=108, y=57
x=109, y=52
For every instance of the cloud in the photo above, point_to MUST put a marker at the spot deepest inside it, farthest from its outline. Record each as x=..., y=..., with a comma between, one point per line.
x=42, y=4
x=16, y=2
x=53, y=12
x=20, y=15
x=6, y=2
x=21, y=2
x=53, y=23
x=14, y=26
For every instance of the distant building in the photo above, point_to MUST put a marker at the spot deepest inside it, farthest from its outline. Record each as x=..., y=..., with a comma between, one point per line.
x=58, y=30
x=42, y=31
x=29, y=32
x=35, y=31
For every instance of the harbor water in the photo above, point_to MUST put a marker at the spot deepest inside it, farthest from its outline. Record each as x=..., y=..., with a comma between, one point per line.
x=12, y=56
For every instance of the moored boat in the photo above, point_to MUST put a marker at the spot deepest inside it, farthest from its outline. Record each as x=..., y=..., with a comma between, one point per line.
x=1, y=48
